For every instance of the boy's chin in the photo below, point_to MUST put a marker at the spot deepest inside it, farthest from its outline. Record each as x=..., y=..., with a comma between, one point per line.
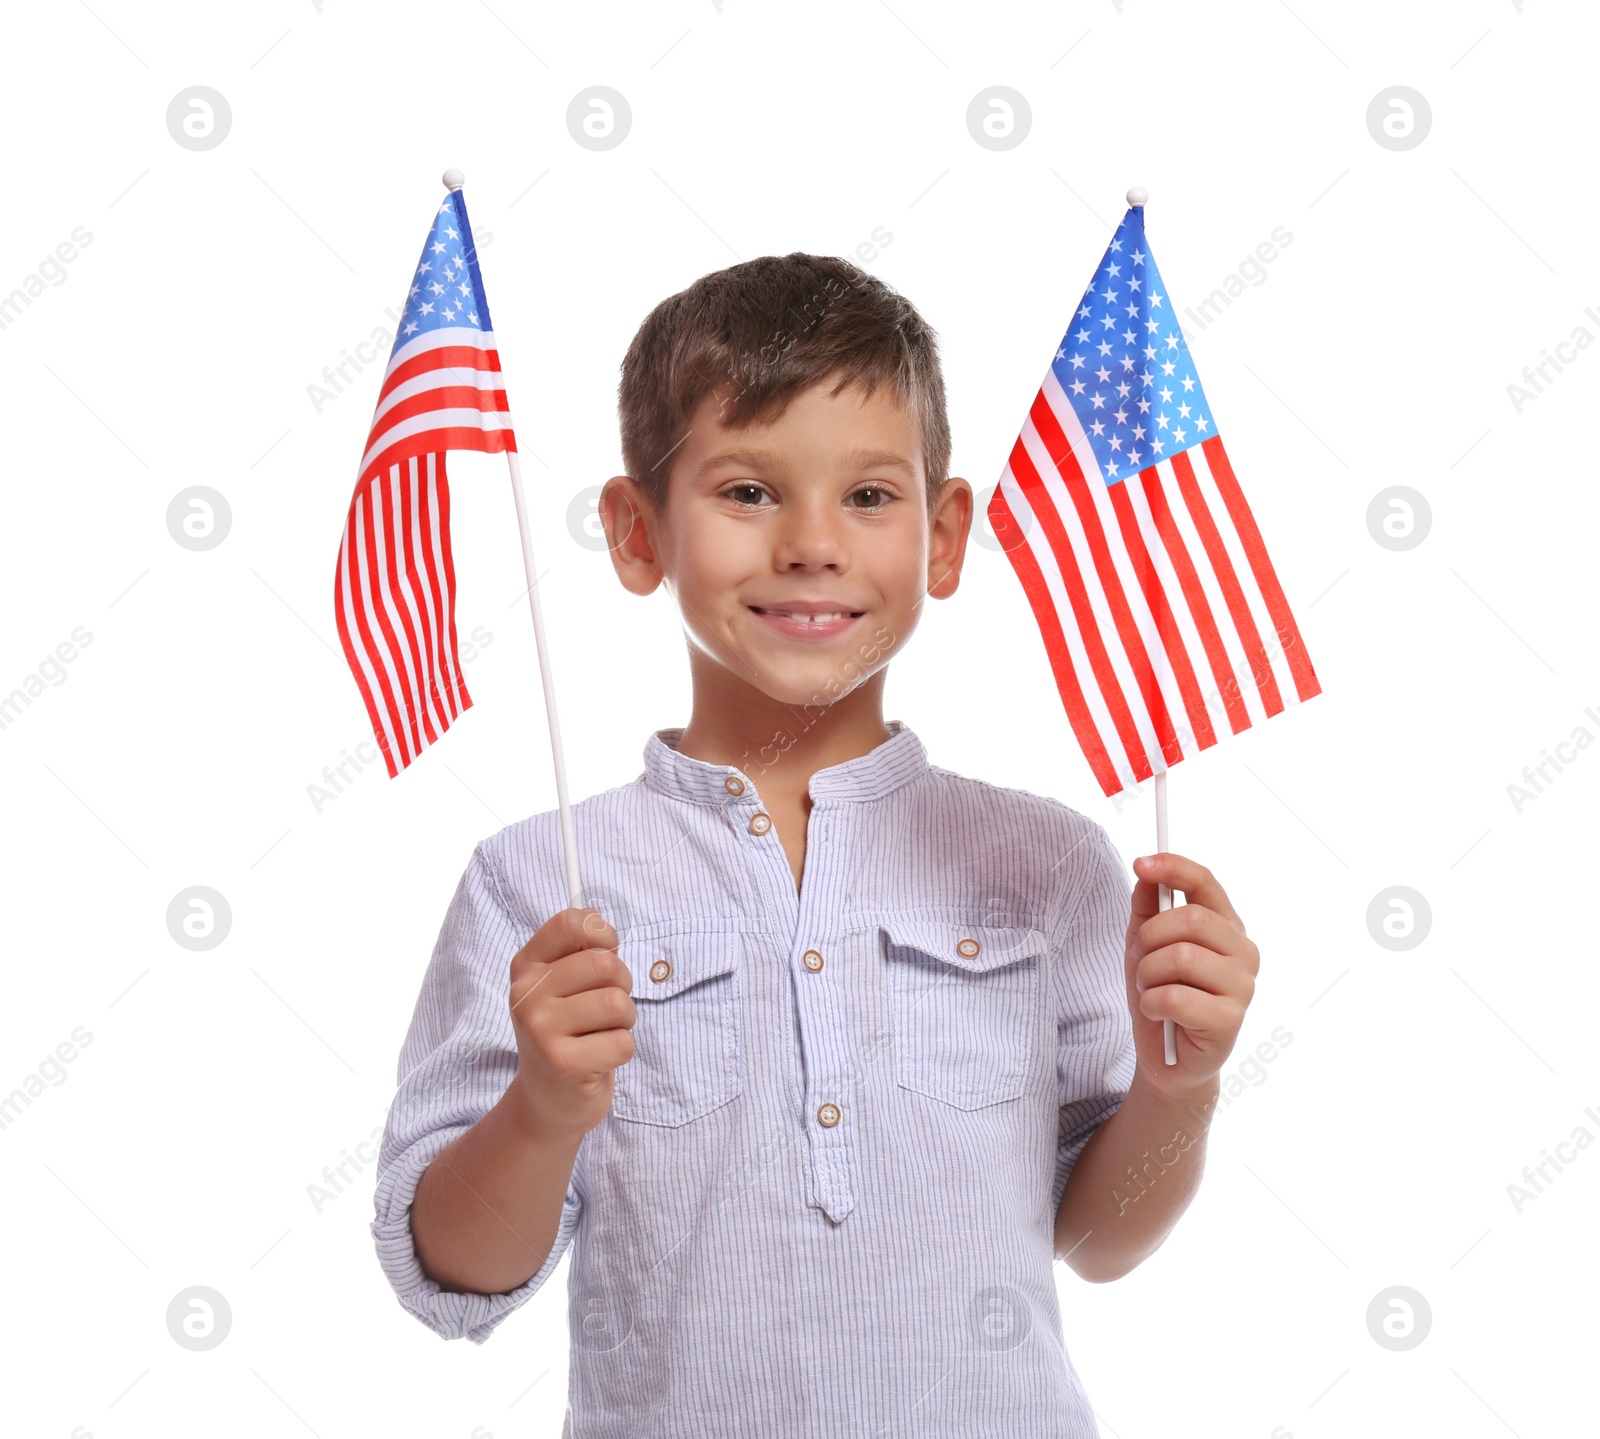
x=817, y=684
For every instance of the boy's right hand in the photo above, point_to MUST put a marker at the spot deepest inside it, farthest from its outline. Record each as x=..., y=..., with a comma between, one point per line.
x=573, y=1015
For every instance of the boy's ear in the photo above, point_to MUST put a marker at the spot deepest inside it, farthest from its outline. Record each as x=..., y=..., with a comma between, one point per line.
x=947, y=538
x=629, y=525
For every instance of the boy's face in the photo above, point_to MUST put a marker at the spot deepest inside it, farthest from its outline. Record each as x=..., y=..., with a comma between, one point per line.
x=821, y=512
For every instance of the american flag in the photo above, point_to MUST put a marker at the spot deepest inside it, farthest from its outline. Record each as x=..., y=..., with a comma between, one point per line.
x=1164, y=622
x=395, y=589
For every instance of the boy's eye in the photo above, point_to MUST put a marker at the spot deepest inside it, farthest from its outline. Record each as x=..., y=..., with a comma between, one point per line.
x=748, y=495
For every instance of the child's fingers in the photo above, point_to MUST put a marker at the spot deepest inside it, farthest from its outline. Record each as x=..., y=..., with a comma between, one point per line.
x=1196, y=924
x=1196, y=966
x=1197, y=883
x=1205, y=1016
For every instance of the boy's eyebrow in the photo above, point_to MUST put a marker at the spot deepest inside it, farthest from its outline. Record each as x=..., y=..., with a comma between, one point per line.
x=769, y=459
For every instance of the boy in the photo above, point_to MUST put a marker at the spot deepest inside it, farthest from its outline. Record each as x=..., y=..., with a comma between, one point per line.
x=850, y=1047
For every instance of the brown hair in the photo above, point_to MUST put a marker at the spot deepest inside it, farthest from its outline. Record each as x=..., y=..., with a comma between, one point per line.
x=770, y=328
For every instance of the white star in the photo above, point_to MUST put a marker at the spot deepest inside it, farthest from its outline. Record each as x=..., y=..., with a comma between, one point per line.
x=1077, y=387
x=473, y=318
x=1099, y=400
x=1115, y=269
x=1127, y=362
x=1107, y=323
x=1172, y=342
x=1122, y=389
x=1084, y=312
x=1145, y=375
x=1188, y=382
x=1150, y=325
x=1178, y=435
x=449, y=314
x=1167, y=367
x=1102, y=374
x=1134, y=282
x=411, y=329
x=451, y=233
x=423, y=267
x=1104, y=347
x=1109, y=293
x=427, y=308
x=437, y=247
x=1184, y=411
x=1134, y=457
x=1082, y=336
x=1116, y=244
x=1201, y=423
x=1138, y=432
x=411, y=292
x=1155, y=299
x=1121, y=415
x=1111, y=467
x=1138, y=257
x=1158, y=445
x=1116, y=442
x=1097, y=428
x=1161, y=422
x=1131, y=308
x=437, y=288
x=1144, y=406
x=1166, y=394
x=1077, y=362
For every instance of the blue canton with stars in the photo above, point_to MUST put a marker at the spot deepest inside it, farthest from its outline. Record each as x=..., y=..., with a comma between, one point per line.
x=1125, y=366
x=447, y=290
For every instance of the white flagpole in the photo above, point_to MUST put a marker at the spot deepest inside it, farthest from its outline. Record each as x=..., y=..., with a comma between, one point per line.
x=453, y=180
x=1169, y=1035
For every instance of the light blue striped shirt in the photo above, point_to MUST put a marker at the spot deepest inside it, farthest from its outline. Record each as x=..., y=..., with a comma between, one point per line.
x=822, y=1204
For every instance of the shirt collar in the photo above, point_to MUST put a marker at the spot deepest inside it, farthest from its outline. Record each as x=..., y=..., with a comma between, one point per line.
x=897, y=761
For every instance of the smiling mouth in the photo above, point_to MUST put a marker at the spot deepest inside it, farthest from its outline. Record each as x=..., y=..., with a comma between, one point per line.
x=808, y=617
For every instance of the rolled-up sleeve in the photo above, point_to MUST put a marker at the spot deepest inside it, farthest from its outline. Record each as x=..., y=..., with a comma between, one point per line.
x=1095, y=1055
x=459, y=1056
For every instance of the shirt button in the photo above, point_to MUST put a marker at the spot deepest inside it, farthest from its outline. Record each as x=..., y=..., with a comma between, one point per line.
x=812, y=960
x=828, y=1115
x=733, y=784
x=660, y=970
x=968, y=948
x=760, y=823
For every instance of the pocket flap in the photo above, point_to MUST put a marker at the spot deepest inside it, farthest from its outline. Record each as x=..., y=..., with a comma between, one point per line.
x=687, y=957
x=964, y=943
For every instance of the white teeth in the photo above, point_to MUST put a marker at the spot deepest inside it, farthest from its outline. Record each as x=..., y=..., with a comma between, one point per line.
x=815, y=619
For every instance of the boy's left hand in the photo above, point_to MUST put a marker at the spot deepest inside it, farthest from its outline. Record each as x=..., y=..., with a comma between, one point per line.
x=1192, y=964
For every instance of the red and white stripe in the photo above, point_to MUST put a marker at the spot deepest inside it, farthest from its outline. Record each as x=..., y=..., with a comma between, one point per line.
x=394, y=592
x=1163, y=619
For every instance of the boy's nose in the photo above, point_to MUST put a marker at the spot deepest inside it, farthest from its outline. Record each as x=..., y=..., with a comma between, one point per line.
x=811, y=539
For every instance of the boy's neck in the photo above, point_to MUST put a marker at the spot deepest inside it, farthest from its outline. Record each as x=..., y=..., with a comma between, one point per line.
x=780, y=746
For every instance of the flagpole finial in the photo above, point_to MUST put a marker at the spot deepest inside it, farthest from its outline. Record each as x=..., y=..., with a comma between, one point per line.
x=1138, y=196
x=454, y=179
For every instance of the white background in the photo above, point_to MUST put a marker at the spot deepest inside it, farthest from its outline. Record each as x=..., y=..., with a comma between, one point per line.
x=1376, y=1150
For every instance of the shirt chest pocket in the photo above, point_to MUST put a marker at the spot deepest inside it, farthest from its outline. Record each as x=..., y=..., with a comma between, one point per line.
x=687, y=1043
x=966, y=1005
